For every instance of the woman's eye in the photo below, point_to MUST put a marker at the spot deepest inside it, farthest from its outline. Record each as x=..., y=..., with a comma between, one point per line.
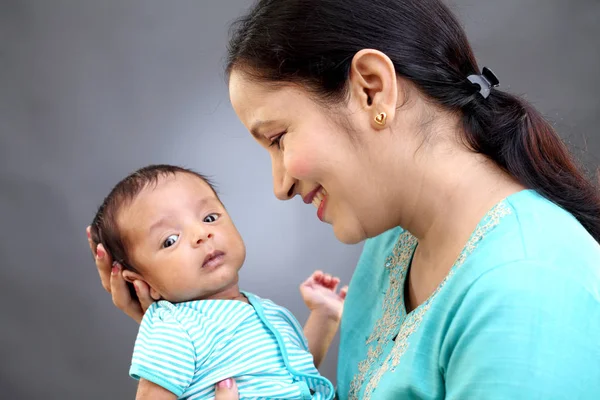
x=170, y=241
x=278, y=141
x=211, y=218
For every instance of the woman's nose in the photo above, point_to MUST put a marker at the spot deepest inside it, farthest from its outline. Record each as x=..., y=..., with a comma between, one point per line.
x=284, y=186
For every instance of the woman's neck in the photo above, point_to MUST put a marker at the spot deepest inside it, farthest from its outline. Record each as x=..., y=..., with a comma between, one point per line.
x=450, y=205
x=456, y=191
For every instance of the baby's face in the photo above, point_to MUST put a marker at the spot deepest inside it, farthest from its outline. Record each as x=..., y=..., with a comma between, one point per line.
x=181, y=239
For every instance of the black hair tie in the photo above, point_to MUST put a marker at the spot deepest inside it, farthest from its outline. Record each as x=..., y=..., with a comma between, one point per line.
x=486, y=81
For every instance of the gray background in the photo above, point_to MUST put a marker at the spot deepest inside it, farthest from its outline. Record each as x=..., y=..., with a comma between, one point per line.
x=90, y=90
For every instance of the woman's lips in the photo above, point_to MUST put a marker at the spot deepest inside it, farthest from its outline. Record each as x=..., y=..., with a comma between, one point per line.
x=321, y=208
x=320, y=201
x=311, y=195
x=318, y=197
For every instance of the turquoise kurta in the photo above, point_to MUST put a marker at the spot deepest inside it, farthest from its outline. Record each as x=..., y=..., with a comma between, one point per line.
x=518, y=317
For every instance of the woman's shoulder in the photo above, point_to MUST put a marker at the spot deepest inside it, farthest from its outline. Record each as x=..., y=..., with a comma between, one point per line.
x=537, y=222
x=536, y=231
x=530, y=279
x=534, y=245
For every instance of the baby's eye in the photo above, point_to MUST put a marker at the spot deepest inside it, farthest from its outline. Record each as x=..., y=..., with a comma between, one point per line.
x=170, y=241
x=211, y=217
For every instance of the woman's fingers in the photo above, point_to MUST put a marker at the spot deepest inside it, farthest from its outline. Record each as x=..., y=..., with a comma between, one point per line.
x=143, y=293
x=226, y=390
x=103, y=261
x=121, y=296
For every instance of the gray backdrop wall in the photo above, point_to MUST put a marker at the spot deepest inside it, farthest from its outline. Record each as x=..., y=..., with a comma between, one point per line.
x=90, y=90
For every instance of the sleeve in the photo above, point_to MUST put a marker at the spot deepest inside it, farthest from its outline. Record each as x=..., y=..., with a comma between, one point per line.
x=524, y=331
x=164, y=352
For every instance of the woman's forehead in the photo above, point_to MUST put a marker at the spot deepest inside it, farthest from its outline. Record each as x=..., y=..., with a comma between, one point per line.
x=256, y=102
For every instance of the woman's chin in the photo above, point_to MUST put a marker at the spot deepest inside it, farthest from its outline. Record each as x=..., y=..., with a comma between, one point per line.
x=348, y=234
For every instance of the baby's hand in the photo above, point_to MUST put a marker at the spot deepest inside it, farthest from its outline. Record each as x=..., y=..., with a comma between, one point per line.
x=320, y=293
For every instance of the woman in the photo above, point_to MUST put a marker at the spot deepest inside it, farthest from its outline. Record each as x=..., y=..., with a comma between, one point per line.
x=480, y=277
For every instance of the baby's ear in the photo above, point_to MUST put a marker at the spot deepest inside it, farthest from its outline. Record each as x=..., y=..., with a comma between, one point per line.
x=131, y=276
x=154, y=294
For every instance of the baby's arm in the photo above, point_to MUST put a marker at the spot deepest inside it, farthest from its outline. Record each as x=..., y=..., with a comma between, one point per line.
x=164, y=356
x=320, y=294
x=151, y=391
x=320, y=329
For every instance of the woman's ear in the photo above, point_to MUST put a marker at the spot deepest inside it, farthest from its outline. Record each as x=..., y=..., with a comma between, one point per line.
x=374, y=86
x=131, y=277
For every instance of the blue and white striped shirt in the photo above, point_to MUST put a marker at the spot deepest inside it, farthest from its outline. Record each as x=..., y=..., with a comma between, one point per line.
x=188, y=347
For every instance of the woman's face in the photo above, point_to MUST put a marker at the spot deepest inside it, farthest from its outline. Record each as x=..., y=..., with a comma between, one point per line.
x=314, y=156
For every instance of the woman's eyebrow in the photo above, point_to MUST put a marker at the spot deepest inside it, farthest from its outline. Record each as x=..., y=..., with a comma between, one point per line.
x=259, y=126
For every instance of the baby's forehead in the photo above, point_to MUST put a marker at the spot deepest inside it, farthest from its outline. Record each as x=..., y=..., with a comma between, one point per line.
x=168, y=196
x=180, y=183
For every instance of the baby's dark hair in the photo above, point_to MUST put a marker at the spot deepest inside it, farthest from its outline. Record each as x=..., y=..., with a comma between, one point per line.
x=104, y=228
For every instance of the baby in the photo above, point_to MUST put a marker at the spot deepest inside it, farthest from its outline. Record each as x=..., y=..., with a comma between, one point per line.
x=166, y=226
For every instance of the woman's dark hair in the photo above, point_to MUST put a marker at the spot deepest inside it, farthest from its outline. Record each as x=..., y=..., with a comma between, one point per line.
x=104, y=228
x=312, y=42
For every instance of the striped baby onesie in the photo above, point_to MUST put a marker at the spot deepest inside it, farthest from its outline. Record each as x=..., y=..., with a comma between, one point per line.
x=188, y=347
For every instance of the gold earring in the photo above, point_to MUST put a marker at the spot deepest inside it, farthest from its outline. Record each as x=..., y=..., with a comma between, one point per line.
x=381, y=118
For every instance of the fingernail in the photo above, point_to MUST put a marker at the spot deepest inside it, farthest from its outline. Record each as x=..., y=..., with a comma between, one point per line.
x=100, y=254
x=114, y=270
x=89, y=235
x=226, y=384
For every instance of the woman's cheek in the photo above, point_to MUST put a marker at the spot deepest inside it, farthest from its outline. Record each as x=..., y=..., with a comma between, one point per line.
x=301, y=166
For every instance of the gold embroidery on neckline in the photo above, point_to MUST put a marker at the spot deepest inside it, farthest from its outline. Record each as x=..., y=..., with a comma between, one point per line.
x=394, y=318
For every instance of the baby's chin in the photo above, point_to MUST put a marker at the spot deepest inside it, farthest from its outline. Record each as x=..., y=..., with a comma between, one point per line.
x=228, y=290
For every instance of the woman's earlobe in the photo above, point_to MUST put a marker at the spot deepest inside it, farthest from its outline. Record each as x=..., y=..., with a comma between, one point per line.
x=380, y=119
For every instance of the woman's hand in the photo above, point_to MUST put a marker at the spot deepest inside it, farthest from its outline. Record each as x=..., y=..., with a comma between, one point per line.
x=113, y=282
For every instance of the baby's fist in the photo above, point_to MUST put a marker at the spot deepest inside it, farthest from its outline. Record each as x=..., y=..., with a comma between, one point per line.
x=320, y=293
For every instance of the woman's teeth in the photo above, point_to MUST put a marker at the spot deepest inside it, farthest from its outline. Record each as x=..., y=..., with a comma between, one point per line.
x=319, y=196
